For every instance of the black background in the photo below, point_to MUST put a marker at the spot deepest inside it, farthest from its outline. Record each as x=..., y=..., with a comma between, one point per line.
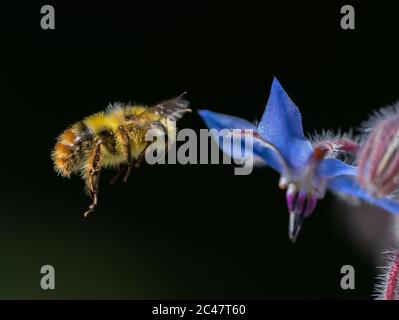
x=179, y=231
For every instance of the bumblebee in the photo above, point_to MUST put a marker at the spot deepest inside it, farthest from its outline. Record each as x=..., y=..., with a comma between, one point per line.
x=114, y=138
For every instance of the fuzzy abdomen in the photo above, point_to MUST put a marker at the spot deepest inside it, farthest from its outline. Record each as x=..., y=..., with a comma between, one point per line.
x=66, y=153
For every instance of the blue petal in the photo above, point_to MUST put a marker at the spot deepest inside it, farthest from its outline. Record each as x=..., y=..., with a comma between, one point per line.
x=220, y=121
x=257, y=150
x=269, y=156
x=348, y=185
x=330, y=168
x=281, y=125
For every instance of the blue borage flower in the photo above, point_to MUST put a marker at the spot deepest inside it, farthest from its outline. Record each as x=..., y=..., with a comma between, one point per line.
x=307, y=169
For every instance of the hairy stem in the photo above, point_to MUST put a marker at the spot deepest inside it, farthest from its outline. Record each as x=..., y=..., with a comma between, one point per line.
x=392, y=280
x=348, y=146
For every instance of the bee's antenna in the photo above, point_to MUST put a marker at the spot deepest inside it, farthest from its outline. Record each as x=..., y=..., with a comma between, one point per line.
x=181, y=95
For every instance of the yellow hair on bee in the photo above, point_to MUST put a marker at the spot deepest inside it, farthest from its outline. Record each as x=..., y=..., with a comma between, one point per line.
x=100, y=121
x=135, y=110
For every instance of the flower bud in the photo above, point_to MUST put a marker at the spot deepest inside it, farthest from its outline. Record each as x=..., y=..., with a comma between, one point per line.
x=378, y=159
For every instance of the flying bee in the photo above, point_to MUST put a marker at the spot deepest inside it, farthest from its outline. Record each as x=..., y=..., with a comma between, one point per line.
x=114, y=138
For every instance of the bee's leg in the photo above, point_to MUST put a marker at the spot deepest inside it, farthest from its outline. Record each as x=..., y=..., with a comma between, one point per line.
x=124, y=137
x=118, y=174
x=140, y=159
x=93, y=204
x=92, y=175
x=129, y=170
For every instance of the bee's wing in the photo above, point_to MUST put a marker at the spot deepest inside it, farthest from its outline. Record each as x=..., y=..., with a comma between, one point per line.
x=173, y=109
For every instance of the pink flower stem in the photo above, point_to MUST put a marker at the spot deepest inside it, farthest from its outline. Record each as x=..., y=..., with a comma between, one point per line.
x=348, y=146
